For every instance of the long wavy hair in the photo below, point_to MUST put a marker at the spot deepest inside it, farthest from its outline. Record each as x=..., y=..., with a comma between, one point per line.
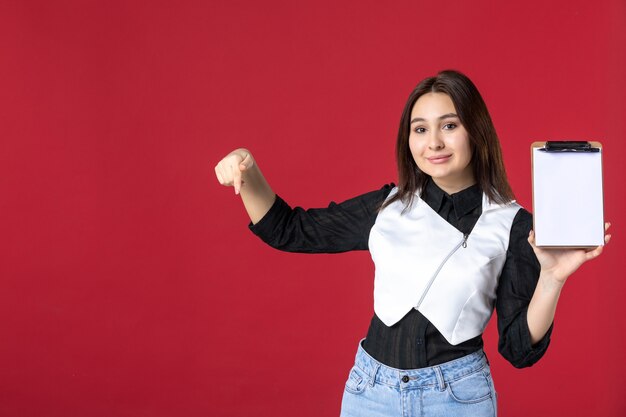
x=486, y=160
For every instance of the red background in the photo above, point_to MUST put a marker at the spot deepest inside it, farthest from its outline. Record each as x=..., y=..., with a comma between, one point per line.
x=129, y=283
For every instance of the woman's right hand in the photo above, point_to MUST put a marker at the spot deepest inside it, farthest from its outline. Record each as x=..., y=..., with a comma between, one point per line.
x=230, y=171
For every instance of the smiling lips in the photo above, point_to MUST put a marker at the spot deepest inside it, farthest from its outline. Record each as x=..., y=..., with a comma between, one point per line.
x=439, y=159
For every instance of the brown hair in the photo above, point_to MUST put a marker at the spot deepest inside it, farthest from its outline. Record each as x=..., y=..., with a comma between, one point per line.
x=487, y=164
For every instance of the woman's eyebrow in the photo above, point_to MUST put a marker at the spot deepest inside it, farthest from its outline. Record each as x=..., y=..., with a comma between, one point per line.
x=445, y=116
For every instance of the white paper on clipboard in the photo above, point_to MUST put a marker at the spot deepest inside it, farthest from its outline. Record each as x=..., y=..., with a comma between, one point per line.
x=567, y=197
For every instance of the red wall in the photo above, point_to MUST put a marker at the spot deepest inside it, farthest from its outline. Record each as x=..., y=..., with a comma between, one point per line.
x=129, y=283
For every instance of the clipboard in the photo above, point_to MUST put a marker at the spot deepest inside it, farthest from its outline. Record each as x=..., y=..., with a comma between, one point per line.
x=568, y=207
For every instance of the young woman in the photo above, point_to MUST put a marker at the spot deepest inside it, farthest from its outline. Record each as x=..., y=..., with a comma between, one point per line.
x=449, y=243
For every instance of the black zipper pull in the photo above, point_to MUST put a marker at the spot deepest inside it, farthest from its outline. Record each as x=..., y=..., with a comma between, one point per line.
x=465, y=236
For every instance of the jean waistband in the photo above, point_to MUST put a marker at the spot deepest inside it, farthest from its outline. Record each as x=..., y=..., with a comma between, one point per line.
x=409, y=378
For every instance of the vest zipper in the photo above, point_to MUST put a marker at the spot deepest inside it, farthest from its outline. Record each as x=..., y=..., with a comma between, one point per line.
x=430, y=283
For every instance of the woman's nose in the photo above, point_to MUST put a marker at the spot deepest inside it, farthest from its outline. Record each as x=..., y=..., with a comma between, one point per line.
x=435, y=142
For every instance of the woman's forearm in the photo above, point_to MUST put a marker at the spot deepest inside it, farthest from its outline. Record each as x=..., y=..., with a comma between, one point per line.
x=556, y=267
x=543, y=306
x=256, y=194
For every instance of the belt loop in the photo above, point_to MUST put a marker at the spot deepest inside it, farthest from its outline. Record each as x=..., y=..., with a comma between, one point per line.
x=374, y=372
x=440, y=381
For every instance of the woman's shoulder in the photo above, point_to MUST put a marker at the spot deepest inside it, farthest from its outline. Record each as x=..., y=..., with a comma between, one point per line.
x=523, y=217
x=521, y=227
x=379, y=194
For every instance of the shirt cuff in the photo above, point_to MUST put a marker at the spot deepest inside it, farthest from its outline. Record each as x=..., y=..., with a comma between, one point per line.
x=530, y=353
x=264, y=228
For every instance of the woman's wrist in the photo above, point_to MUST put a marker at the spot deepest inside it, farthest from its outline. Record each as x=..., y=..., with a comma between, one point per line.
x=551, y=282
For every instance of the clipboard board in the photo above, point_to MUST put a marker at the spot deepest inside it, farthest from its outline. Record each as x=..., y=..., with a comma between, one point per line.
x=568, y=208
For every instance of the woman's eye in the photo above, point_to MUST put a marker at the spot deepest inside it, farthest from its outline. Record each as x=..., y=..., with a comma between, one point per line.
x=449, y=126
x=419, y=130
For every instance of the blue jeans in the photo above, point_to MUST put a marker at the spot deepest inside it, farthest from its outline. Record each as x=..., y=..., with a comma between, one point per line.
x=462, y=387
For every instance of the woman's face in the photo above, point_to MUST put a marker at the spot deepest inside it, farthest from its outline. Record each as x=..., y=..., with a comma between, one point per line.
x=440, y=144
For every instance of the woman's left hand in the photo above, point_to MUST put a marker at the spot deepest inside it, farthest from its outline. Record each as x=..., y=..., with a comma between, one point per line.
x=559, y=264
